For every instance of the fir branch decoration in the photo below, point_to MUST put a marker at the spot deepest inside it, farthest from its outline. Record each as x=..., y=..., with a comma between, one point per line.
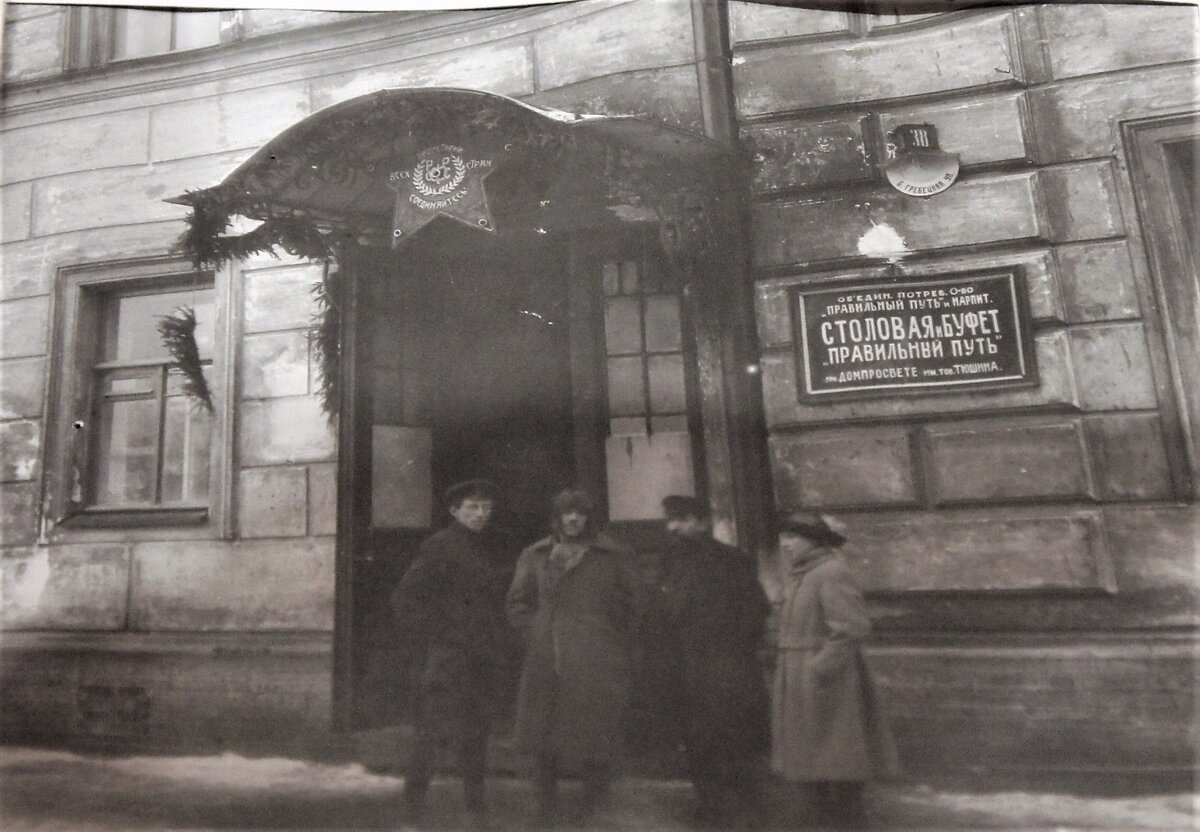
x=178, y=333
x=204, y=240
x=325, y=336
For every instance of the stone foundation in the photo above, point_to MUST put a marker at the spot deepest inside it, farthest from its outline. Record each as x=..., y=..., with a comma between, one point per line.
x=996, y=708
x=186, y=693
x=1020, y=707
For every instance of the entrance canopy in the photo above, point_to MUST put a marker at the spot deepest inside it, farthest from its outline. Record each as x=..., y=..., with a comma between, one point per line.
x=379, y=168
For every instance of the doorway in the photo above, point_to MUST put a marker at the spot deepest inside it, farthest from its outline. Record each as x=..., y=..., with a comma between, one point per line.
x=502, y=409
x=468, y=369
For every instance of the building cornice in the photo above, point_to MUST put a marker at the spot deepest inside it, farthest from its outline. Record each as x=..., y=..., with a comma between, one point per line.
x=268, y=54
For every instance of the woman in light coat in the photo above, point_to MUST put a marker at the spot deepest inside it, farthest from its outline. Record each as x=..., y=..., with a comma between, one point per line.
x=828, y=731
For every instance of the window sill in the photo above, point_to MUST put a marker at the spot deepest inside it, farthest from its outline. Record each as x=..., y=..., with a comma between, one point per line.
x=131, y=518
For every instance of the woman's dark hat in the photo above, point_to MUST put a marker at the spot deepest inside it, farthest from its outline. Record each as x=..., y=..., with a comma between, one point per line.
x=481, y=489
x=813, y=528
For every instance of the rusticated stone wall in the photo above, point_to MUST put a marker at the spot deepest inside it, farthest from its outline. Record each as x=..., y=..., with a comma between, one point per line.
x=1018, y=515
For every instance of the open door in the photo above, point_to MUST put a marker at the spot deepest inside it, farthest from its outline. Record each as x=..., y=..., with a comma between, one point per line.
x=469, y=359
x=532, y=363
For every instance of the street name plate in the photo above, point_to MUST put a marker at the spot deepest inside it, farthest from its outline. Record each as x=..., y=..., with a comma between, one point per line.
x=950, y=333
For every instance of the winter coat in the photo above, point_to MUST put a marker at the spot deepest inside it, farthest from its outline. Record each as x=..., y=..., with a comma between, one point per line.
x=826, y=719
x=716, y=614
x=575, y=678
x=450, y=603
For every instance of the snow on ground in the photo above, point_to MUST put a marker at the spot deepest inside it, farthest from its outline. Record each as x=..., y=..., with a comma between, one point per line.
x=57, y=791
x=1033, y=810
x=271, y=774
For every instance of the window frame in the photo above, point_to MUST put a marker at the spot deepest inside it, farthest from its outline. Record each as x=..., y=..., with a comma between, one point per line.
x=80, y=292
x=648, y=414
x=1153, y=183
x=590, y=341
x=91, y=37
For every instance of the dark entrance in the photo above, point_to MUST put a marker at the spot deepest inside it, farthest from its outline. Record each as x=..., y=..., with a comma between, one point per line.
x=503, y=404
x=471, y=376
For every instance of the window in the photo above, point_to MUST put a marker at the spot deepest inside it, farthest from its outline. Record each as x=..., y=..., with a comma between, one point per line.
x=131, y=447
x=104, y=35
x=649, y=452
x=644, y=343
x=152, y=441
x=137, y=33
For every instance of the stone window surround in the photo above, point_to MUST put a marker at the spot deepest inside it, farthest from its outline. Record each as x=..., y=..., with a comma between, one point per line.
x=70, y=368
x=91, y=36
x=84, y=79
x=1168, y=240
x=243, y=63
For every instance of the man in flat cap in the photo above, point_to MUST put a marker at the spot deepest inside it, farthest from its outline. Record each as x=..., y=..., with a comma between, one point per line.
x=717, y=612
x=451, y=603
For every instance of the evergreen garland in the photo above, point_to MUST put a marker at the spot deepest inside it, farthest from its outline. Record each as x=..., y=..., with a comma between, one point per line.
x=178, y=333
x=325, y=337
x=205, y=242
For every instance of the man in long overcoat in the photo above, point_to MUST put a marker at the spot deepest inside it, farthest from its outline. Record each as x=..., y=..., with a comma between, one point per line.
x=451, y=603
x=572, y=600
x=717, y=613
x=829, y=732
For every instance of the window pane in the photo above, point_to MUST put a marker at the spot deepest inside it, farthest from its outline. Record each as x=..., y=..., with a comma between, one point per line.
x=627, y=426
x=187, y=434
x=629, y=277
x=176, y=380
x=127, y=466
x=205, y=306
x=195, y=30
x=622, y=325
x=132, y=325
x=142, y=385
x=610, y=279
x=667, y=392
x=625, y=389
x=653, y=278
x=662, y=323
x=141, y=32
x=674, y=423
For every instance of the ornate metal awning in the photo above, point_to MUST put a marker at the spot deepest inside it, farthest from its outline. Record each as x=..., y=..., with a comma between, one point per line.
x=380, y=167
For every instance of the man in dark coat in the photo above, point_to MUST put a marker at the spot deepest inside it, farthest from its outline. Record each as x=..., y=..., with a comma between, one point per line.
x=717, y=611
x=572, y=599
x=451, y=602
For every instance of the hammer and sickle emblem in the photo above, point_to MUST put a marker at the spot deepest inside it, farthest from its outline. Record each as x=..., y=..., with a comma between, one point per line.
x=436, y=173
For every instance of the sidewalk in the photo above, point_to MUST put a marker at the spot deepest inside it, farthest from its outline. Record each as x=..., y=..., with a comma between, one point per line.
x=49, y=791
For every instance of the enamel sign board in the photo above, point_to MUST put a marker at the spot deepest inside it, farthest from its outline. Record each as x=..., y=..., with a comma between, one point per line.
x=917, y=166
x=952, y=333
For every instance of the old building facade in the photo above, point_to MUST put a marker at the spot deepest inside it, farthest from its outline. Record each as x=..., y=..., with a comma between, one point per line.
x=175, y=575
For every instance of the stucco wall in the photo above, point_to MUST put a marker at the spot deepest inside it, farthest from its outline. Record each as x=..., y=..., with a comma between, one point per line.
x=1043, y=186
x=88, y=159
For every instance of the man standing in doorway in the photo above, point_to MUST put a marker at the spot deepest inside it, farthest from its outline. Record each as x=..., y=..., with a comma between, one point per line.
x=572, y=599
x=717, y=613
x=451, y=603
